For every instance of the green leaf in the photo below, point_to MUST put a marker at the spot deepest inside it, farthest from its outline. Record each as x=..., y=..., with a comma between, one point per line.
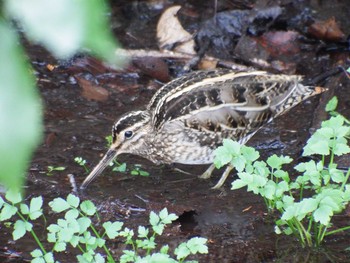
x=144, y=173
x=36, y=253
x=88, y=207
x=222, y=157
x=146, y=243
x=24, y=209
x=232, y=146
x=35, y=209
x=74, y=241
x=154, y=219
x=157, y=258
x=49, y=258
x=128, y=256
x=282, y=187
x=13, y=196
x=340, y=149
x=60, y=247
x=7, y=211
x=20, y=107
x=142, y=232
x=260, y=168
x=239, y=163
x=182, y=251
x=307, y=205
x=134, y=172
x=332, y=104
x=163, y=214
x=337, y=175
x=100, y=242
x=225, y=153
x=269, y=190
x=198, y=245
x=65, y=235
x=158, y=229
x=237, y=184
x=84, y=224
x=341, y=131
x=73, y=200
x=164, y=249
x=51, y=237
x=249, y=153
x=120, y=168
x=36, y=203
x=165, y=217
x=53, y=228
x=112, y=229
x=59, y=205
x=334, y=122
x=20, y=228
x=71, y=215
x=38, y=260
x=316, y=147
x=127, y=233
x=289, y=213
x=98, y=258
x=323, y=214
x=275, y=162
x=282, y=174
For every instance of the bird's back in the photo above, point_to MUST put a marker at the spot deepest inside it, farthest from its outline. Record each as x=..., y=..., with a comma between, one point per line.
x=233, y=104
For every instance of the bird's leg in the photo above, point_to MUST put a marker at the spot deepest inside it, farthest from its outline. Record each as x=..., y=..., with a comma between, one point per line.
x=172, y=166
x=207, y=174
x=223, y=177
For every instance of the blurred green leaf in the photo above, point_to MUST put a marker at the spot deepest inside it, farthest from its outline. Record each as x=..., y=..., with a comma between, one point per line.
x=66, y=26
x=20, y=110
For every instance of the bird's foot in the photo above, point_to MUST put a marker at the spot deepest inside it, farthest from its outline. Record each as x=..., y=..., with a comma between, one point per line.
x=223, y=177
x=207, y=174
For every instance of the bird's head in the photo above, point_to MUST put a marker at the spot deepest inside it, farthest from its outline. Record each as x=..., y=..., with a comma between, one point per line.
x=128, y=137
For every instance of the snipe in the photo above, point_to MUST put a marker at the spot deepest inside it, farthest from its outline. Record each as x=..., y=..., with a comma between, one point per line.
x=188, y=118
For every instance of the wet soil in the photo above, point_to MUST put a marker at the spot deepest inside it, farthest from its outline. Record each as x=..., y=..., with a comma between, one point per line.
x=235, y=222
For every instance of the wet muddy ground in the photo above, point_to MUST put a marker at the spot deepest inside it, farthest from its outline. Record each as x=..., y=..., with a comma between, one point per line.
x=235, y=222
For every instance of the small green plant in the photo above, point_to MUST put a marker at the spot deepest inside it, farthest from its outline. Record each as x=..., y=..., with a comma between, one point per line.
x=109, y=140
x=51, y=169
x=82, y=162
x=306, y=204
x=138, y=171
x=76, y=229
x=121, y=167
x=331, y=109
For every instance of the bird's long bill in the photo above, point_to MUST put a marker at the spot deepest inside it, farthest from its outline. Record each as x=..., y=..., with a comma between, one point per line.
x=106, y=160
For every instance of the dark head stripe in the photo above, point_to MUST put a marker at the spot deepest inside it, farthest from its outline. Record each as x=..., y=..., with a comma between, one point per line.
x=129, y=120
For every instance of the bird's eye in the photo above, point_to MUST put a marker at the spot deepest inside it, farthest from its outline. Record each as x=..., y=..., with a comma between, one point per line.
x=128, y=134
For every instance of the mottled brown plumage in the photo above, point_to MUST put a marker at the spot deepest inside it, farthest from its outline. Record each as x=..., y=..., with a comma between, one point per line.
x=188, y=118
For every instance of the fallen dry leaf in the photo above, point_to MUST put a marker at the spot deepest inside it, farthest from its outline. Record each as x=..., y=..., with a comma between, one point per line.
x=207, y=64
x=92, y=91
x=326, y=30
x=154, y=67
x=279, y=43
x=171, y=34
x=50, y=67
